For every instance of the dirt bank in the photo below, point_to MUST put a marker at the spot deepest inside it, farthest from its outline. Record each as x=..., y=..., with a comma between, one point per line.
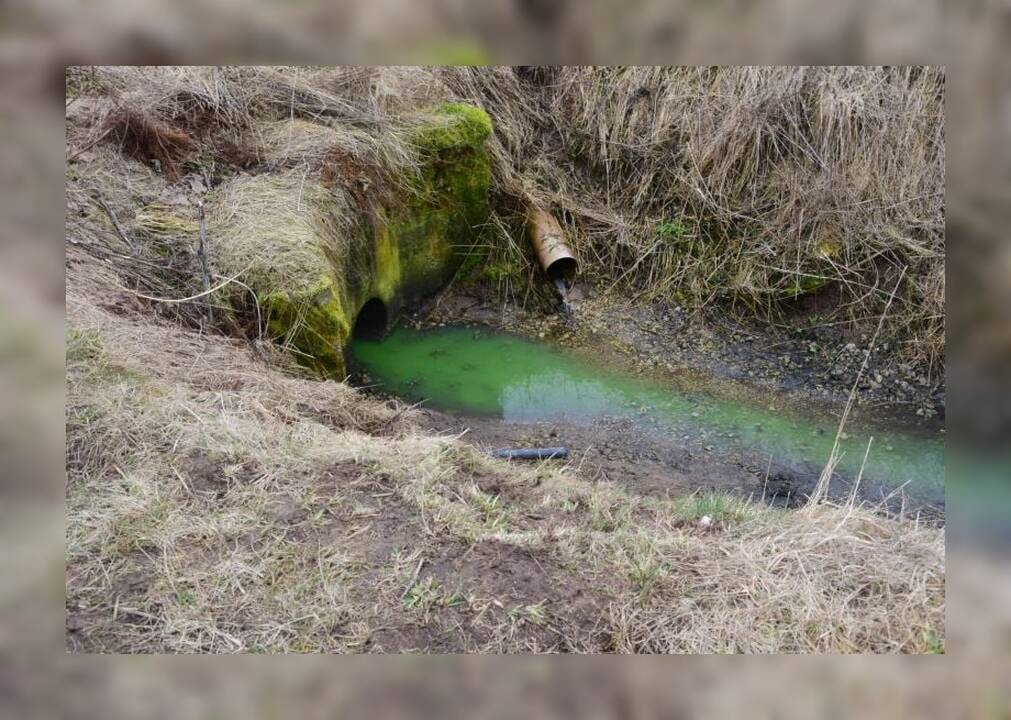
x=650, y=464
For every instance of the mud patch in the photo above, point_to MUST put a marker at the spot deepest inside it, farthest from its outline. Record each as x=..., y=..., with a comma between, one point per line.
x=339, y=476
x=490, y=597
x=372, y=521
x=211, y=477
x=652, y=465
x=93, y=628
x=529, y=590
x=286, y=510
x=414, y=638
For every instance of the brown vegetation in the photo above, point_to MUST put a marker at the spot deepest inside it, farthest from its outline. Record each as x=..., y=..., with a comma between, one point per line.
x=218, y=504
x=149, y=140
x=742, y=187
x=219, y=500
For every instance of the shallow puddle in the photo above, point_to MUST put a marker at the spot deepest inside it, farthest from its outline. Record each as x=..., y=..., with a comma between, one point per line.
x=482, y=372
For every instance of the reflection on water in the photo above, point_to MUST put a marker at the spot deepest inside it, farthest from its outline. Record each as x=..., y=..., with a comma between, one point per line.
x=487, y=373
x=556, y=395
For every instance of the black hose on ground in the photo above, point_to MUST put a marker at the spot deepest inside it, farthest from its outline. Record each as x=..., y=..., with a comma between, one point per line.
x=550, y=453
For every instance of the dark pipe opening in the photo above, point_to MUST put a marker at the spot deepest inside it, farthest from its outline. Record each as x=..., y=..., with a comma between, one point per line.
x=371, y=321
x=562, y=269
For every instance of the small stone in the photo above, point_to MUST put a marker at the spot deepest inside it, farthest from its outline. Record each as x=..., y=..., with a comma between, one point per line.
x=705, y=521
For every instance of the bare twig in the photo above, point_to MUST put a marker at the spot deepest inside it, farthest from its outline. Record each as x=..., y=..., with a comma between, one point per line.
x=191, y=298
x=96, y=194
x=202, y=255
x=821, y=489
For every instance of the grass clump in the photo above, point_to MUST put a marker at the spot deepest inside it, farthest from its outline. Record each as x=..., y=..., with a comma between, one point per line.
x=715, y=505
x=428, y=596
x=150, y=140
x=159, y=220
x=282, y=230
x=289, y=241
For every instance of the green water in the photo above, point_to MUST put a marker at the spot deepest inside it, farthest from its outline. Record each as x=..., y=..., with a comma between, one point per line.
x=482, y=372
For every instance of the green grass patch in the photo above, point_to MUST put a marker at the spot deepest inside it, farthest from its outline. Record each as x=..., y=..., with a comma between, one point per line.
x=714, y=504
x=84, y=346
x=535, y=614
x=429, y=595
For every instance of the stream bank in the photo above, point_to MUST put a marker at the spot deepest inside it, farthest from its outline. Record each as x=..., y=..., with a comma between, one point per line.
x=654, y=345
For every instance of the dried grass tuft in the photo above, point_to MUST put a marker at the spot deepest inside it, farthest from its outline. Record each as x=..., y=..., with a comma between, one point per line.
x=283, y=229
x=839, y=580
x=747, y=187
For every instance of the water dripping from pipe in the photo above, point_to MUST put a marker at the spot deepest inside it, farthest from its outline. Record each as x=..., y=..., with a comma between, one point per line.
x=563, y=292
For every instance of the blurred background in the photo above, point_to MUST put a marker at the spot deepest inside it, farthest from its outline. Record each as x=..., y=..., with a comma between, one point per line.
x=39, y=39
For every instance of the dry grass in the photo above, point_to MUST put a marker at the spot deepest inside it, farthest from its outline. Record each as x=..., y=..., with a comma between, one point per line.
x=282, y=228
x=804, y=583
x=220, y=501
x=742, y=187
x=149, y=140
x=216, y=504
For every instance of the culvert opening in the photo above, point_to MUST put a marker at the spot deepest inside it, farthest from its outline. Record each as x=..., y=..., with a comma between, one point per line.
x=563, y=269
x=371, y=321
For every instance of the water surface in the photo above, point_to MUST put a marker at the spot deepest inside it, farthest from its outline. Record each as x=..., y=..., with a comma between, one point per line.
x=482, y=372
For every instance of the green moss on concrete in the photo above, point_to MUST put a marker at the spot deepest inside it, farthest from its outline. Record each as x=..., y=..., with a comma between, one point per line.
x=314, y=322
x=388, y=275
x=412, y=245
x=438, y=226
x=454, y=126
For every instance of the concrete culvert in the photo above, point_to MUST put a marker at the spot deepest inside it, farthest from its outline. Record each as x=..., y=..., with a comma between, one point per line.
x=371, y=321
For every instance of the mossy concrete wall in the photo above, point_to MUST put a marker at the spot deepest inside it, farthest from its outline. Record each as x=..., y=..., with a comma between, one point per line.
x=405, y=247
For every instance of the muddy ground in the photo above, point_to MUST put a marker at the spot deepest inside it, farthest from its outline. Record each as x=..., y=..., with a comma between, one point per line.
x=646, y=463
x=770, y=364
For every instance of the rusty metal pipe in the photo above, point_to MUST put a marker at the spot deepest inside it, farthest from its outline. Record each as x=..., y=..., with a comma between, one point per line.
x=548, y=240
